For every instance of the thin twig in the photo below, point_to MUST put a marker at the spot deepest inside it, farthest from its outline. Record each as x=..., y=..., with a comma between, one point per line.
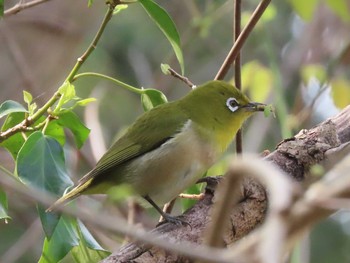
x=237, y=64
x=180, y=77
x=192, y=196
x=241, y=39
x=92, y=46
x=21, y=6
x=24, y=125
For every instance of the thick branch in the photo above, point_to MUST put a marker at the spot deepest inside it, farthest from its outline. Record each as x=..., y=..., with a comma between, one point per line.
x=294, y=156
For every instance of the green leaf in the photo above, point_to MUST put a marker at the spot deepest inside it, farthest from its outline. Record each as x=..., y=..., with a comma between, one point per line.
x=90, y=2
x=55, y=130
x=49, y=221
x=314, y=70
x=70, y=120
x=40, y=164
x=3, y=206
x=27, y=97
x=268, y=109
x=341, y=8
x=165, y=68
x=87, y=238
x=62, y=241
x=119, y=8
x=151, y=98
x=1, y=8
x=67, y=91
x=167, y=26
x=14, y=143
x=83, y=254
x=257, y=79
x=86, y=101
x=305, y=9
x=340, y=92
x=72, y=235
x=11, y=106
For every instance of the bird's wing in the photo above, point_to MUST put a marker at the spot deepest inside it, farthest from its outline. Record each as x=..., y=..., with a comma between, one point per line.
x=148, y=132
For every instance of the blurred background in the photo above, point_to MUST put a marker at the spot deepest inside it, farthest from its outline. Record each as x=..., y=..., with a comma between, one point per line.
x=297, y=59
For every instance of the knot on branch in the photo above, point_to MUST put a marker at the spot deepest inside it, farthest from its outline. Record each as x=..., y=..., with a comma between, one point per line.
x=308, y=147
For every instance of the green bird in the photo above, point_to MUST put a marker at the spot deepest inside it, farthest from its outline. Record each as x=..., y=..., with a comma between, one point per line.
x=168, y=148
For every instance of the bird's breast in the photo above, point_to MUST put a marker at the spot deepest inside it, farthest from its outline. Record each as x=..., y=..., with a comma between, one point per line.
x=174, y=166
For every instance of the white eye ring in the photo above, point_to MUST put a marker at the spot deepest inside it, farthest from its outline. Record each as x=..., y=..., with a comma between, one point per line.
x=232, y=104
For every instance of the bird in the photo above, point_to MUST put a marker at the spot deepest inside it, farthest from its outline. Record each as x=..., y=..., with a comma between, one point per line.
x=168, y=148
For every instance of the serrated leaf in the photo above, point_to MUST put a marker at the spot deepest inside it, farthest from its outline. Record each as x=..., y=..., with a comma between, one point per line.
x=3, y=206
x=340, y=92
x=151, y=98
x=27, y=97
x=10, y=106
x=167, y=26
x=71, y=121
x=165, y=68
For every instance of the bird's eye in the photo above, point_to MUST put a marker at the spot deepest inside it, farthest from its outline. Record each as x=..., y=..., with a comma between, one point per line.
x=232, y=104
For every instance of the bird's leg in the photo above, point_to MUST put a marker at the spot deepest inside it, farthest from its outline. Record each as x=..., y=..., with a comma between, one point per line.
x=167, y=217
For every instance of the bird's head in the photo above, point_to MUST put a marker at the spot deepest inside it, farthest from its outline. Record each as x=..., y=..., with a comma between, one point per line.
x=219, y=108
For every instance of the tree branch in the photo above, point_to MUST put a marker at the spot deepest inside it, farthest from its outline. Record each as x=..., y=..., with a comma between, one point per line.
x=21, y=6
x=294, y=156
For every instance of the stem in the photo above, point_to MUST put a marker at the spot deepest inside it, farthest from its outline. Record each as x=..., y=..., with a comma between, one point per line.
x=7, y=172
x=237, y=66
x=24, y=125
x=93, y=44
x=118, y=82
x=241, y=39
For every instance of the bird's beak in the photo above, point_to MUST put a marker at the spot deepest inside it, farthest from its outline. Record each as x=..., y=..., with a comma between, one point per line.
x=255, y=106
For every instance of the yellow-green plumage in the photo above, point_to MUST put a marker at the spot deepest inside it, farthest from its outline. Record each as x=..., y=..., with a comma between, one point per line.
x=170, y=147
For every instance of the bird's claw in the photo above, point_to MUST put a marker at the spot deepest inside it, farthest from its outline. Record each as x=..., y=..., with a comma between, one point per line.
x=174, y=220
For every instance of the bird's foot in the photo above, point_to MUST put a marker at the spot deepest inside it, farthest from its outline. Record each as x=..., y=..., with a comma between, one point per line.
x=173, y=220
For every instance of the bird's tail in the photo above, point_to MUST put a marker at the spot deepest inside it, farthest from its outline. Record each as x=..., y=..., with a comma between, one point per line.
x=75, y=192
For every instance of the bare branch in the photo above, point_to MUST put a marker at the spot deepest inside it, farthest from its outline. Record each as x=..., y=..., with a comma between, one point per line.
x=241, y=39
x=21, y=5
